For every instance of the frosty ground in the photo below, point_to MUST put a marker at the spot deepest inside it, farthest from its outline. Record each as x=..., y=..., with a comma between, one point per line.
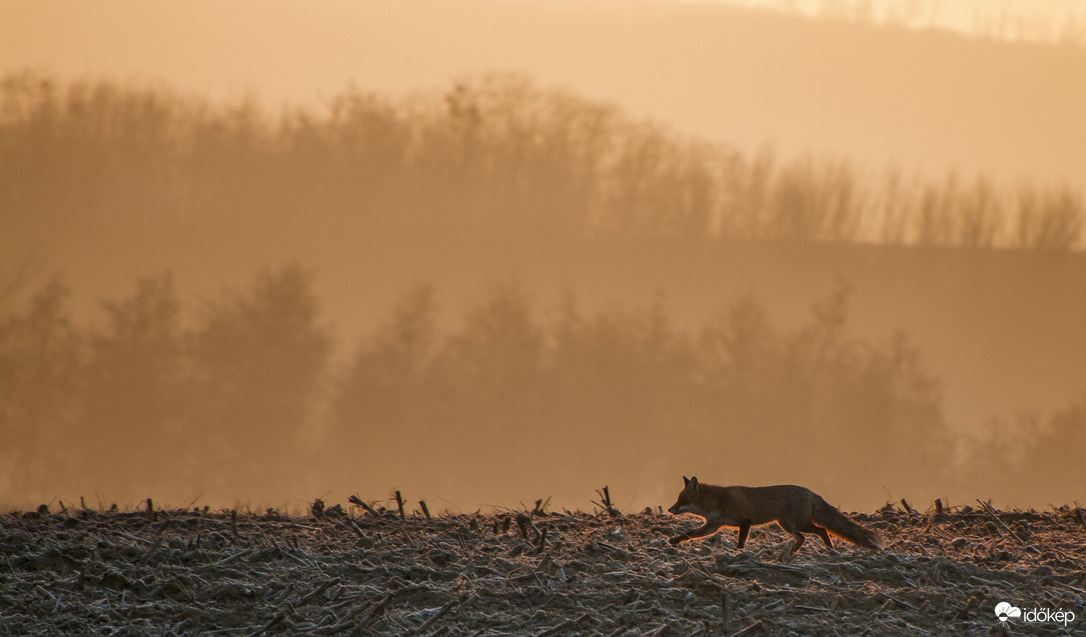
x=359, y=570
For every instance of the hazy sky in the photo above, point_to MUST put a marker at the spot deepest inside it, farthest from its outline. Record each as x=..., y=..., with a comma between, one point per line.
x=292, y=50
x=966, y=16
x=936, y=100
x=670, y=60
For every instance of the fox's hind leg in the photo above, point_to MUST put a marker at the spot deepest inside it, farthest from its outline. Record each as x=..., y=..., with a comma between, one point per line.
x=820, y=532
x=791, y=528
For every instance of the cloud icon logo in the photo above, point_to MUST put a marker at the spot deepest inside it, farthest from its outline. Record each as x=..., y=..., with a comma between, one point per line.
x=1005, y=611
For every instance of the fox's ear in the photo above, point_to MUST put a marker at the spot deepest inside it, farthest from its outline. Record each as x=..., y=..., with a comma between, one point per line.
x=693, y=483
x=686, y=481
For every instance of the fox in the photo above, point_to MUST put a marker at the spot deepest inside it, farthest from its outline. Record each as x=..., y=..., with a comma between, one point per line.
x=795, y=509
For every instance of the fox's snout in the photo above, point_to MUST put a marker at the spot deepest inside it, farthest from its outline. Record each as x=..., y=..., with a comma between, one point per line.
x=682, y=507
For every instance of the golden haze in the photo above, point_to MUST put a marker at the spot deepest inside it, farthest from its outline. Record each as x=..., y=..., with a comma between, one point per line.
x=492, y=291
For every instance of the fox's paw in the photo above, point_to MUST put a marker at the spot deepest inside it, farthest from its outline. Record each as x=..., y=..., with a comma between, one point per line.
x=677, y=540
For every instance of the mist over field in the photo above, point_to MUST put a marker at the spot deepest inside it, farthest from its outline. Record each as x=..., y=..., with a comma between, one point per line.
x=496, y=290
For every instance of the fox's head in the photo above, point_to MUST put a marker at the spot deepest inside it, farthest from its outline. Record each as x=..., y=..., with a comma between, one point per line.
x=687, y=496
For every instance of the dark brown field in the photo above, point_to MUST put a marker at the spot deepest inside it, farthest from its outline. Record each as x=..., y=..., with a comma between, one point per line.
x=360, y=572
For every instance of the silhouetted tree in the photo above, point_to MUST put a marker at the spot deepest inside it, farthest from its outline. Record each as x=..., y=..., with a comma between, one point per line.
x=133, y=441
x=864, y=409
x=1016, y=459
x=822, y=403
x=384, y=406
x=1050, y=220
x=739, y=358
x=621, y=382
x=491, y=369
x=40, y=363
x=1052, y=459
x=258, y=360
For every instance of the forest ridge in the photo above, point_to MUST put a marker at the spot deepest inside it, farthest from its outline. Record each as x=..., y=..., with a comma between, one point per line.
x=487, y=156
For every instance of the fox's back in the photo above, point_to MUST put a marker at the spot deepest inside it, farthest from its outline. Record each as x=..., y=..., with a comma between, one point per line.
x=760, y=505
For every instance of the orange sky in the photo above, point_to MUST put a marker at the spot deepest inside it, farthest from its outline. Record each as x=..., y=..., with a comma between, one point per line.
x=675, y=62
x=667, y=60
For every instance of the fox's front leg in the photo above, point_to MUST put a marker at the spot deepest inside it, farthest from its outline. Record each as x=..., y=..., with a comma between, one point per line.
x=744, y=529
x=708, y=529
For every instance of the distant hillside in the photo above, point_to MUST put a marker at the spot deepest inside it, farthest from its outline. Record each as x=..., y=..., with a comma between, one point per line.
x=741, y=76
x=886, y=93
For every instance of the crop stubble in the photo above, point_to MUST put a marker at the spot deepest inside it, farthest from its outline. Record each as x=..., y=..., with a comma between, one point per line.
x=370, y=572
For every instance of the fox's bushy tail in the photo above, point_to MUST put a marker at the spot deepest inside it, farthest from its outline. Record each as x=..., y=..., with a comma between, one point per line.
x=828, y=517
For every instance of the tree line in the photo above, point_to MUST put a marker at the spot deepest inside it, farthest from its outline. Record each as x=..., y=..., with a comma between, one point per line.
x=248, y=398
x=496, y=155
